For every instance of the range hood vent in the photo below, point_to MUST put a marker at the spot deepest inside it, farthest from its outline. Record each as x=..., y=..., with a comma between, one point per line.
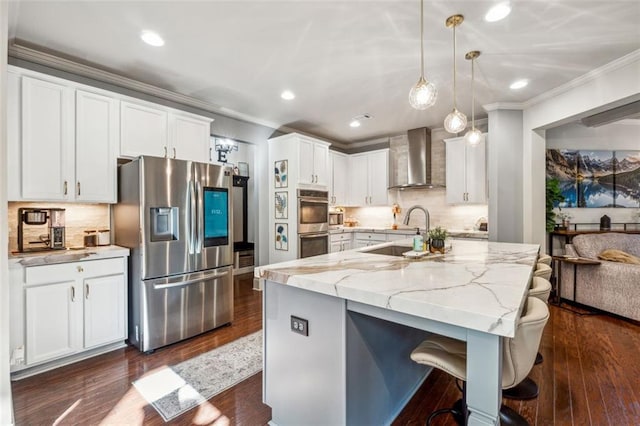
x=410, y=163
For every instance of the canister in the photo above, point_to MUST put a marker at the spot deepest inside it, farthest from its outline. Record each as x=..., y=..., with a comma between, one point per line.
x=90, y=238
x=104, y=237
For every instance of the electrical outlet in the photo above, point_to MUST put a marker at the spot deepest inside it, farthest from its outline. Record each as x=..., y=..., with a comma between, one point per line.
x=299, y=325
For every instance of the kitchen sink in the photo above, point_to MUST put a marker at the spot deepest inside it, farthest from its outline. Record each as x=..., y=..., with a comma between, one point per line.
x=390, y=250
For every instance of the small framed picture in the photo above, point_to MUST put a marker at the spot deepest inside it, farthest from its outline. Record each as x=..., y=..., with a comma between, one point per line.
x=281, y=205
x=282, y=236
x=281, y=173
x=243, y=168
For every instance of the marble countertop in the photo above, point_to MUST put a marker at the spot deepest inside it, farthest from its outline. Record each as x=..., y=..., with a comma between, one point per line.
x=455, y=233
x=63, y=256
x=479, y=285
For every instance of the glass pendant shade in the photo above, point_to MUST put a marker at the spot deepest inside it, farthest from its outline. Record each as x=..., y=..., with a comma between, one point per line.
x=423, y=94
x=455, y=122
x=473, y=137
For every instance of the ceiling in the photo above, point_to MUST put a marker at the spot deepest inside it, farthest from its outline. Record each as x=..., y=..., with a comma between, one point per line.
x=341, y=58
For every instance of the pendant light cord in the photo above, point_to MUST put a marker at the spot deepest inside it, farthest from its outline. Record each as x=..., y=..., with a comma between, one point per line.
x=454, y=65
x=473, y=95
x=421, y=38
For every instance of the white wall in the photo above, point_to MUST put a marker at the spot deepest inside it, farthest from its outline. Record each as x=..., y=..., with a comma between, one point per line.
x=614, y=84
x=6, y=409
x=614, y=137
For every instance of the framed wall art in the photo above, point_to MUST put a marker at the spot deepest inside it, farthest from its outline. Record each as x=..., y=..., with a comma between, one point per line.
x=281, y=174
x=281, y=201
x=282, y=236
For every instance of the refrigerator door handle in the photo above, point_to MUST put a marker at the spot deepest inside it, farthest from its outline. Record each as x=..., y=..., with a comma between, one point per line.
x=206, y=277
x=200, y=216
x=192, y=211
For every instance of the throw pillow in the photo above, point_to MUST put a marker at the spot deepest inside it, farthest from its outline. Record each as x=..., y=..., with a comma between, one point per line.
x=614, y=255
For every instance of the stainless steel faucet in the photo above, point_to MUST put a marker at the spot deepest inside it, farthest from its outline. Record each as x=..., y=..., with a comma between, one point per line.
x=426, y=216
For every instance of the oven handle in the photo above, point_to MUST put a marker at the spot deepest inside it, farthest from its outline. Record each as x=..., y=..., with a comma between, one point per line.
x=314, y=235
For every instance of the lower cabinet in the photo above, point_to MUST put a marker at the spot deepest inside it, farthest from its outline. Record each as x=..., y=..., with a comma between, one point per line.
x=339, y=242
x=366, y=239
x=73, y=307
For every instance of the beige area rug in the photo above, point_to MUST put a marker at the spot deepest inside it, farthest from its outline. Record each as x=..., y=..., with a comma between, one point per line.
x=181, y=387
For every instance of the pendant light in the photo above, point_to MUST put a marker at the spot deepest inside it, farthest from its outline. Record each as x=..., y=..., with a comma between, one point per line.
x=474, y=135
x=456, y=121
x=424, y=93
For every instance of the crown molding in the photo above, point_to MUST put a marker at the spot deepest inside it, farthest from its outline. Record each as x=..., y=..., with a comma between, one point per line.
x=585, y=78
x=19, y=51
x=518, y=106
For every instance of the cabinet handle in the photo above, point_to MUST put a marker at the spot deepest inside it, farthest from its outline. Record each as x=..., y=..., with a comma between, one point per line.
x=78, y=188
x=174, y=153
x=73, y=294
x=79, y=268
x=210, y=159
x=165, y=152
x=65, y=187
x=87, y=292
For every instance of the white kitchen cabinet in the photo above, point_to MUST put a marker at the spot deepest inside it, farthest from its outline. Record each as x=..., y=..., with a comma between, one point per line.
x=338, y=178
x=73, y=307
x=313, y=161
x=366, y=239
x=189, y=136
x=466, y=172
x=340, y=242
x=369, y=178
x=61, y=141
x=143, y=130
x=52, y=326
x=97, y=126
x=46, y=157
x=104, y=310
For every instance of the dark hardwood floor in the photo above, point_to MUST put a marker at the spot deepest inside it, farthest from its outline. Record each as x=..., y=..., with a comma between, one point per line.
x=590, y=376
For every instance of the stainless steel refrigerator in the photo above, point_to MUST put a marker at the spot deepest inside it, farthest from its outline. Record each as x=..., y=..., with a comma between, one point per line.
x=176, y=217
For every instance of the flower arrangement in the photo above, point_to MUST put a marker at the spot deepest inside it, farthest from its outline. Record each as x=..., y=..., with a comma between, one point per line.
x=564, y=216
x=395, y=209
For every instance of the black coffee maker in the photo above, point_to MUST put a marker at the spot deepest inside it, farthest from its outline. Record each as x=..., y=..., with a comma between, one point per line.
x=31, y=223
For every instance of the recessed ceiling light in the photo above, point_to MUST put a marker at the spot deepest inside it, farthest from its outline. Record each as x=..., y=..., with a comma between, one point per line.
x=152, y=38
x=519, y=84
x=288, y=95
x=498, y=12
x=354, y=123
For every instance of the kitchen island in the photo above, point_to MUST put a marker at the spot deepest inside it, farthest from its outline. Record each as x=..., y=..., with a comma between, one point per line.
x=339, y=328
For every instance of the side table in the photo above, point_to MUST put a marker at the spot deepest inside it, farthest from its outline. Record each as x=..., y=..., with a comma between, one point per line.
x=575, y=261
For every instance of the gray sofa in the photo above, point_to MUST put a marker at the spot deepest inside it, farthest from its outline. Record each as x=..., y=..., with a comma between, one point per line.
x=611, y=286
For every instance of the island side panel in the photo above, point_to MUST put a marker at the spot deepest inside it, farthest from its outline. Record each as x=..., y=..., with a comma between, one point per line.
x=484, y=378
x=304, y=376
x=381, y=377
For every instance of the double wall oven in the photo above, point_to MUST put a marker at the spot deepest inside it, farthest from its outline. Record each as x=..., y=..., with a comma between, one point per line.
x=313, y=222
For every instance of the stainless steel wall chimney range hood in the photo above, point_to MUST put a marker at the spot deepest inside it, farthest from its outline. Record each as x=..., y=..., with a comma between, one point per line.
x=410, y=163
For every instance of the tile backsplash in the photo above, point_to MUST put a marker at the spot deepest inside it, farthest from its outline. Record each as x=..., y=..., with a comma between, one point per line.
x=78, y=217
x=458, y=217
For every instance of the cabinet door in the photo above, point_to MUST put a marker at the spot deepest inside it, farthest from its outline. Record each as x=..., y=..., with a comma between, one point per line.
x=335, y=247
x=104, y=310
x=97, y=125
x=306, y=173
x=189, y=137
x=456, y=171
x=476, y=173
x=346, y=245
x=340, y=178
x=358, y=192
x=143, y=130
x=47, y=140
x=53, y=321
x=378, y=172
x=320, y=164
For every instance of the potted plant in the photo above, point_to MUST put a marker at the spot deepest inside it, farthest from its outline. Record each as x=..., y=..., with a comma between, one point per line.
x=554, y=196
x=437, y=236
x=564, y=217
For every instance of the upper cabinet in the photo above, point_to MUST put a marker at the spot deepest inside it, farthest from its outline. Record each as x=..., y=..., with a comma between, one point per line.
x=466, y=172
x=338, y=178
x=62, y=142
x=64, y=138
x=313, y=161
x=369, y=178
x=149, y=129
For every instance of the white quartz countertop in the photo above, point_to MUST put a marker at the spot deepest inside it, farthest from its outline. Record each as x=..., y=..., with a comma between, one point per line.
x=455, y=233
x=479, y=285
x=62, y=256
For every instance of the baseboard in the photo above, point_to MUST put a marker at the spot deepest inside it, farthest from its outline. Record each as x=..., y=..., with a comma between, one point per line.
x=50, y=365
